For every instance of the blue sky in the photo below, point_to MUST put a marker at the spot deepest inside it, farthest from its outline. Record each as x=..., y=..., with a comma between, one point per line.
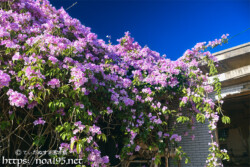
x=166, y=26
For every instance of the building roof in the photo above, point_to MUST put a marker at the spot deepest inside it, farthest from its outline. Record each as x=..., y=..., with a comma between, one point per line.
x=234, y=65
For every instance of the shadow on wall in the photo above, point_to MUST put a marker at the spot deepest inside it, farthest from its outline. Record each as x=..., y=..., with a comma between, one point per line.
x=235, y=136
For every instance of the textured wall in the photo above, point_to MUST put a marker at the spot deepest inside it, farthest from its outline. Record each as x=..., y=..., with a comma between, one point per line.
x=197, y=149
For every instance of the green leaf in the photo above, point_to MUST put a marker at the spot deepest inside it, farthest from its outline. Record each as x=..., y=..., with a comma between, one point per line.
x=72, y=145
x=59, y=128
x=78, y=147
x=20, y=73
x=187, y=160
x=39, y=140
x=157, y=160
x=182, y=119
x=104, y=138
x=200, y=117
x=182, y=104
x=63, y=135
x=4, y=124
x=225, y=119
x=12, y=116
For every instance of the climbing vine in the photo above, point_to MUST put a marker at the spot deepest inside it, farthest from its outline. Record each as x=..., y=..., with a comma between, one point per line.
x=63, y=88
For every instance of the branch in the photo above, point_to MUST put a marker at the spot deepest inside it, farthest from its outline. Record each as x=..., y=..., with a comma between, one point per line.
x=71, y=6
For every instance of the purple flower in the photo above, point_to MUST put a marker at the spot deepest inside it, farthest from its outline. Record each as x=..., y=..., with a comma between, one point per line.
x=137, y=148
x=224, y=36
x=61, y=111
x=16, y=56
x=4, y=32
x=133, y=134
x=31, y=95
x=105, y=159
x=150, y=115
x=81, y=127
x=208, y=89
x=95, y=130
x=17, y=99
x=160, y=133
x=89, y=113
x=109, y=111
x=158, y=121
x=78, y=123
x=54, y=83
x=184, y=100
x=147, y=90
x=210, y=102
x=176, y=137
x=75, y=131
x=166, y=135
x=128, y=101
x=4, y=79
x=164, y=108
x=89, y=139
x=78, y=77
x=30, y=73
x=39, y=122
x=64, y=146
x=149, y=99
x=32, y=104
x=81, y=106
x=68, y=60
x=53, y=59
x=158, y=104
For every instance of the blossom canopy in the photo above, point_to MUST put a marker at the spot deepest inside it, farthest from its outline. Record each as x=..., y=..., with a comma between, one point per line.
x=56, y=73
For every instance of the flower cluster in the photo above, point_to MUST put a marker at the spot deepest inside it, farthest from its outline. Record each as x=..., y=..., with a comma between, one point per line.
x=93, y=154
x=39, y=122
x=175, y=137
x=54, y=83
x=97, y=83
x=17, y=99
x=4, y=79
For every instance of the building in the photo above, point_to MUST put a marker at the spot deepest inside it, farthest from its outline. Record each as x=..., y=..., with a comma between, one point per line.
x=234, y=74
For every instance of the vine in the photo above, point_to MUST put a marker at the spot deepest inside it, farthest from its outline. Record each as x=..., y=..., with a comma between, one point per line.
x=57, y=79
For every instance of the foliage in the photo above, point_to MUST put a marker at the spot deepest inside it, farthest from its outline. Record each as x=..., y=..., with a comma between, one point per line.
x=58, y=79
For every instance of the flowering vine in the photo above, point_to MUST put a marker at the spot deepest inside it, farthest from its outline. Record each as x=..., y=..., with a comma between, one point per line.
x=56, y=73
